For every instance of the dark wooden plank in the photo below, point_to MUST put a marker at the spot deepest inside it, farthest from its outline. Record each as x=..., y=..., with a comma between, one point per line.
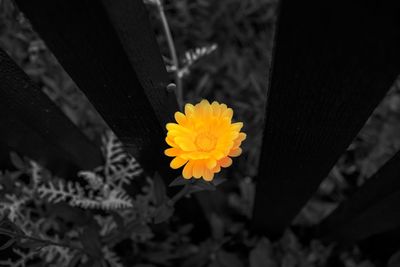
x=333, y=62
x=373, y=209
x=143, y=53
x=103, y=51
x=5, y=162
x=33, y=125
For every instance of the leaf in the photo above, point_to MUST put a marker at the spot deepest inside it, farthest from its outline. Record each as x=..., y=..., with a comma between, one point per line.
x=367, y=263
x=31, y=244
x=290, y=242
x=163, y=213
x=160, y=192
x=159, y=257
x=204, y=185
x=90, y=263
x=75, y=260
x=261, y=255
x=91, y=242
x=394, y=260
x=314, y=211
x=215, y=264
x=218, y=180
x=179, y=181
x=141, y=229
x=7, y=244
x=194, y=189
x=201, y=257
x=217, y=226
x=6, y=225
x=7, y=181
x=68, y=213
x=185, y=229
x=118, y=220
x=17, y=161
x=228, y=259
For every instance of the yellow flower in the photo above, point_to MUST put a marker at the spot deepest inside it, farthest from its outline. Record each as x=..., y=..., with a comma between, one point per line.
x=204, y=139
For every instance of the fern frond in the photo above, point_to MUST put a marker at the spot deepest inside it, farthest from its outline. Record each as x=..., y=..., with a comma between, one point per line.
x=56, y=254
x=126, y=173
x=198, y=52
x=85, y=203
x=74, y=194
x=116, y=199
x=111, y=258
x=107, y=224
x=192, y=56
x=13, y=206
x=119, y=168
x=113, y=150
x=61, y=191
x=95, y=181
x=21, y=261
x=36, y=173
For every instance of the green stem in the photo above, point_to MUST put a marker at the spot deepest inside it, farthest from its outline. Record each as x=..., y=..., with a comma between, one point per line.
x=172, y=50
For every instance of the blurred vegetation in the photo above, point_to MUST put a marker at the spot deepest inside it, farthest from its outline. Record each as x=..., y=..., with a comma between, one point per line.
x=236, y=74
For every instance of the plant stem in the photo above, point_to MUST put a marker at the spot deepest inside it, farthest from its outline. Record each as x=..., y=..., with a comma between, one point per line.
x=45, y=242
x=172, y=51
x=184, y=191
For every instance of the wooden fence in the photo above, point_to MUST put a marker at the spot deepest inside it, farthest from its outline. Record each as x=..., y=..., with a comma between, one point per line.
x=333, y=62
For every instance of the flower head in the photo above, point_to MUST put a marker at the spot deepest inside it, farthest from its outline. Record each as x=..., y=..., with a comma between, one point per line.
x=204, y=139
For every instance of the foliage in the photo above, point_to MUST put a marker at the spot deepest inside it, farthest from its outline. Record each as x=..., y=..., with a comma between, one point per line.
x=96, y=213
x=70, y=221
x=53, y=222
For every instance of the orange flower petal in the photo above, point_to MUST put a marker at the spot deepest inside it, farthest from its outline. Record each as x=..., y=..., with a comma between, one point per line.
x=237, y=126
x=216, y=169
x=198, y=169
x=187, y=172
x=203, y=139
x=172, y=152
x=235, y=152
x=177, y=163
x=208, y=175
x=170, y=141
x=216, y=110
x=211, y=163
x=185, y=144
x=180, y=118
x=197, y=155
x=225, y=162
x=228, y=113
x=189, y=109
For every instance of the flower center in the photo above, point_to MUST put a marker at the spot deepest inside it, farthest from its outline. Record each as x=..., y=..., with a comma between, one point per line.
x=205, y=141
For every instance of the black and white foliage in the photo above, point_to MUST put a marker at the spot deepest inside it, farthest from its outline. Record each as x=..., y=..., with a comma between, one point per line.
x=191, y=57
x=37, y=210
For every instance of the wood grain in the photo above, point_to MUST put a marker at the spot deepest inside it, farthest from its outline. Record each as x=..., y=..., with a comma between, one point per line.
x=333, y=62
